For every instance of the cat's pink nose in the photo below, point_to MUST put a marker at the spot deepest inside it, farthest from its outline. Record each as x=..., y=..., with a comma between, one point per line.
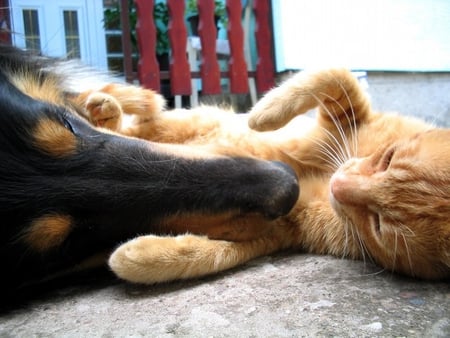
x=349, y=189
x=337, y=187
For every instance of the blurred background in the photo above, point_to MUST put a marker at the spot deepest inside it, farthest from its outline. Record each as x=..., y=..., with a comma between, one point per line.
x=401, y=49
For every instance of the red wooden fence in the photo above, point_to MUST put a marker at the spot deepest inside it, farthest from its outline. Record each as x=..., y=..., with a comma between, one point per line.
x=180, y=73
x=181, y=81
x=237, y=65
x=5, y=33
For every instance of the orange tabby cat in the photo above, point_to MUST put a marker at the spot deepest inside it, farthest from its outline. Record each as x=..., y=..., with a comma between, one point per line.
x=372, y=185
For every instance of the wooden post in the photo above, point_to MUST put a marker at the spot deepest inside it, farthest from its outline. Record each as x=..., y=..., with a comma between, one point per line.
x=148, y=67
x=237, y=65
x=180, y=73
x=209, y=67
x=265, y=70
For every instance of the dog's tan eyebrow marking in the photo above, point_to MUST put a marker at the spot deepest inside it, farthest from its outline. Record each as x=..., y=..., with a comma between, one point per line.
x=54, y=139
x=44, y=89
x=47, y=232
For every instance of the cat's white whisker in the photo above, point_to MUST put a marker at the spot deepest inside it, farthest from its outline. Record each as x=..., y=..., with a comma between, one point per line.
x=355, y=238
x=364, y=249
x=394, y=256
x=339, y=126
x=352, y=123
x=408, y=254
x=360, y=243
x=338, y=153
x=380, y=271
x=410, y=232
x=345, y=252
x=342, y=146
x=331, y=157
x=331, y=161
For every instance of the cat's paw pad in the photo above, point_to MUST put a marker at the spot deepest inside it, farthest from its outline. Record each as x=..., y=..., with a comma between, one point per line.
x=104, y=111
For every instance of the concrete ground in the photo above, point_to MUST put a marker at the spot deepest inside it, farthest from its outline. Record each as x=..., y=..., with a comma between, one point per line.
x=426, y=95
x=285, y=295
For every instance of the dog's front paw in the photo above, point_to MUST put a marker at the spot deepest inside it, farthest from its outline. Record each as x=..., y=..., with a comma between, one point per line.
x=104, y=111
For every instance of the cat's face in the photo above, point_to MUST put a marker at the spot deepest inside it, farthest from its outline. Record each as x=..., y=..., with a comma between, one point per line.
x=396, y=204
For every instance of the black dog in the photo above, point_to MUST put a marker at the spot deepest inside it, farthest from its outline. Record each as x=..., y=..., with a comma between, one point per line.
x=69, y=192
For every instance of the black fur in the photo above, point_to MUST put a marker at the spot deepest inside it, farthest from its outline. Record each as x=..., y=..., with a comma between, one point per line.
x=113, y=187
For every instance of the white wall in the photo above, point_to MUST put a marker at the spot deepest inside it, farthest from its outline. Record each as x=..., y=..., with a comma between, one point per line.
x=405, y=35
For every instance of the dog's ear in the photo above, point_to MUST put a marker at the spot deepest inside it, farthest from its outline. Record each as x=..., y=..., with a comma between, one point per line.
x=19, y=114
x=15, y=106
x=6, y=89
x=10, y=94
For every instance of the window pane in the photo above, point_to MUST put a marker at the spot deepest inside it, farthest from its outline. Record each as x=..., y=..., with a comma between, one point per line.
x=72, y=34
x=31, y=26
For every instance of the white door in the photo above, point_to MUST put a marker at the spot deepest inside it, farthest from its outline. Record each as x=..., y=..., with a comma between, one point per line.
x=63, y=28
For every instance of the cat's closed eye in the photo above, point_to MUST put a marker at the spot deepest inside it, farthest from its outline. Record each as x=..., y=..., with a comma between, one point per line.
x=374, y=220
x=386, y=159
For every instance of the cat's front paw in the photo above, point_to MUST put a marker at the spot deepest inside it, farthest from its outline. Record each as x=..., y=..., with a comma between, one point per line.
x=270, y=113
x=104, y=111
x=135, y=100
x=298, y=94
x=154, y=259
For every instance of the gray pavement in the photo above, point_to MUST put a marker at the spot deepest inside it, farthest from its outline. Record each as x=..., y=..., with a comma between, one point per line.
x=285, y=295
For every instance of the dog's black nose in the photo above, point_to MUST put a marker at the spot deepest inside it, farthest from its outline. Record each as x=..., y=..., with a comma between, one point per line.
x=283, y=190
x=266, y=187
x=242, y=184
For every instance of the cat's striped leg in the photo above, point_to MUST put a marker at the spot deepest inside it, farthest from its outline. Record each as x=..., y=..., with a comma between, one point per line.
x=153, y=259
x=336, y=92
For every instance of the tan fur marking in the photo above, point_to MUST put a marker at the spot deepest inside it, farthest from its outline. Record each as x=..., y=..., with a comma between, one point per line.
x=41, y=89
x=48, y=231
x=54, y=139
